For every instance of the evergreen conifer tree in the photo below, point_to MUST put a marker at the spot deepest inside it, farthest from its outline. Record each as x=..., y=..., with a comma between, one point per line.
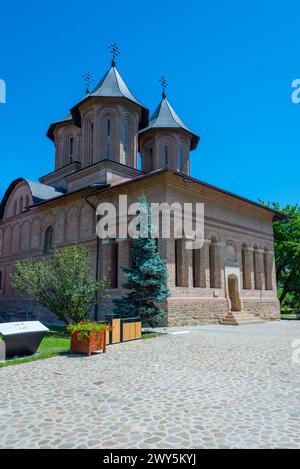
x=146, y=279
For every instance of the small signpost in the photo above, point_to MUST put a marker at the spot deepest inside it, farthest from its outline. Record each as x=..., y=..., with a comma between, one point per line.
x=22, y=338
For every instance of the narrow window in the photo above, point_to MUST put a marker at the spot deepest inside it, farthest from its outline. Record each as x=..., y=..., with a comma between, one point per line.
x=91, y=143
x=21, y=205
x=125, y=140
x=71, y=149
x=180, y=160
x=1, y=279
x=48, y=241
x=27, y=201
x=108, y=126
x=15, y=208
x=107, y=138
x=166, y=156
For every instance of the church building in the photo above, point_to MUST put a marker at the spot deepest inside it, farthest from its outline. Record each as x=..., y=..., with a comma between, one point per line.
x=107, y=146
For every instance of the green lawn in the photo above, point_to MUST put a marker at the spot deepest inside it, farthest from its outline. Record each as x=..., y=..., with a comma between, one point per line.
x=56, y=342
x=288, y=316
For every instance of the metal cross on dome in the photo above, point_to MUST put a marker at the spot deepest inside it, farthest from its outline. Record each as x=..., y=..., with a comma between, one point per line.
x=87, y=77
x=114, y=49
x=164, y=84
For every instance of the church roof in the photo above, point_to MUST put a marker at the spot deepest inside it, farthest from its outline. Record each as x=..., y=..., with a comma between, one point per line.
x=40, y=192
x=66, y=120
x=277, y=216
x=165, y=117
x=111, y=85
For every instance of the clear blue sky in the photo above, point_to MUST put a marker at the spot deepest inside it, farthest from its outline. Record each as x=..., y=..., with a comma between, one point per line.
x=230, y=65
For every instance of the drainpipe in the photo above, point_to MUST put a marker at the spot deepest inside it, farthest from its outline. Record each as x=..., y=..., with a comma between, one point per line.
x=98, y=247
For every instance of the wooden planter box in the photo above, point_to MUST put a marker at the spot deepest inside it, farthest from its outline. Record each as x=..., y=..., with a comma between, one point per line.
x=96, y=341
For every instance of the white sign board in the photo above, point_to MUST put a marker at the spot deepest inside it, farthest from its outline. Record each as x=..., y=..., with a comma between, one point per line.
x=11, y=328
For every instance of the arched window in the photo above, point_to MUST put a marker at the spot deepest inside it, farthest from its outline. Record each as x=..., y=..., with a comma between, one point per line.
x=180, y=160
x=91, y=143
x=108, y=126
x=214, y=264
x=71, y=149
x=257, y=269
x=246, y=267
x=125, y=141
x=48, y=240
x=21, y=205
x=108, y=138
x=267, y=270
x=166, y=156
x=27, y=201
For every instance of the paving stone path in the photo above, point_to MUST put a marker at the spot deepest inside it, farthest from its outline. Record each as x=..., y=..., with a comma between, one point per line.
x=215, y=387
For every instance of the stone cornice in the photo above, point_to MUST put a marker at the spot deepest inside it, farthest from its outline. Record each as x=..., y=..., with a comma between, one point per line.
x=61, y=173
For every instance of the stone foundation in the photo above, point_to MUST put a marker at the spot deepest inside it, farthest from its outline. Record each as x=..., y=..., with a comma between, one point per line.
x=190, y=311
x=265, y=309
x=181, y=311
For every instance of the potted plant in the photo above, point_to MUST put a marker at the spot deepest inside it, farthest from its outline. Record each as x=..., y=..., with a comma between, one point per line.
x=88, y=337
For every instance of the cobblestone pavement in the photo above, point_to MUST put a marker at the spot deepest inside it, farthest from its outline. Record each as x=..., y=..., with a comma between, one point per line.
x=215, y=387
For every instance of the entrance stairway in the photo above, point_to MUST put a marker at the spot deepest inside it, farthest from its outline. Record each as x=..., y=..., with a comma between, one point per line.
x=239, y=318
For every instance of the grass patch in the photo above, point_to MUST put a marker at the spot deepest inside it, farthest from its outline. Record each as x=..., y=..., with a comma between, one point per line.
x=56, y=342
x=288, y=316
x=149, y=335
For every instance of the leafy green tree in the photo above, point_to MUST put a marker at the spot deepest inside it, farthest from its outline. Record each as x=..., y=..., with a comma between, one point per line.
x=287, y=254
x=146, y=279
x=63, y=283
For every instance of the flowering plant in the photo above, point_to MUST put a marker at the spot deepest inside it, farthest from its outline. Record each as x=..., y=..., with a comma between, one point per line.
x=84, y=328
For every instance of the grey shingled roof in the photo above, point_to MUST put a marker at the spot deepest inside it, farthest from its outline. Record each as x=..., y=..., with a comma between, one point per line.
x=165, y=117
x=111, y=85
x=40, y=192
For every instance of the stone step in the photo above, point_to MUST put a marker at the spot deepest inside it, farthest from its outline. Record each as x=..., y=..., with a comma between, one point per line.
x=240, y=318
